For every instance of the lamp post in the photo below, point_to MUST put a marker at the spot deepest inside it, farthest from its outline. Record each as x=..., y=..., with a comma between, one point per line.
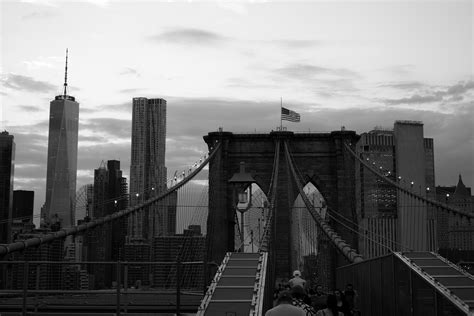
x=241, y=181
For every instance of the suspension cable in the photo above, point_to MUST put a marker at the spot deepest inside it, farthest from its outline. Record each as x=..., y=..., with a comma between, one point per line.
x=406, y=191
x=334, y=212
x=350, y=254
x=271, y=197
x=358, y=233
x=36, y=241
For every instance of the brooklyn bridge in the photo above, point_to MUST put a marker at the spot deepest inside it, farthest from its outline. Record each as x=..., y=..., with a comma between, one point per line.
x=269, y=204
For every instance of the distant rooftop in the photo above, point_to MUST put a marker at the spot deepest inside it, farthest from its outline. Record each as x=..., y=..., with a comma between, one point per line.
x=65, y=97
x=408, y=122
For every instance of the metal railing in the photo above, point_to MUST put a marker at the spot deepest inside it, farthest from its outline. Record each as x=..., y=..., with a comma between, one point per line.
x=32, y=287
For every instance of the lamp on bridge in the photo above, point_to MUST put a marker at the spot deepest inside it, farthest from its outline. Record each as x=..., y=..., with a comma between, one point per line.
x=241, y=181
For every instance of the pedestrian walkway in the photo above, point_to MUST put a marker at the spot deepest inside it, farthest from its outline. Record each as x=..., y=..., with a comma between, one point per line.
x=237, y=288
x=447, y=278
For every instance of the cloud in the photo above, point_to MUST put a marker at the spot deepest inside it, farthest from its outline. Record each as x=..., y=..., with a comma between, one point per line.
x=400, y=70
x=35, y=15
x=237, y=82
x=30, y=108
x=414, y=99
x=25, y=83
x=296, y=43
x=307, y=71
x=99, y=3
x=111, y=128
x=119, y=107
x=48, y=3
x=130, y=71
x=460, y=88
x=191, y=36
x=453, y=93
x=130, y=90
x=408, y=85
x=123, y=106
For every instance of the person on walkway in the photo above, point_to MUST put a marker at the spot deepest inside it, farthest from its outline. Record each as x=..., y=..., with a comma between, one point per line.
x=331, y=309
x=319, y=298
x=297, y=280
x=301, y=300
x=342, y=306
x=284, y=306
x=351, y=297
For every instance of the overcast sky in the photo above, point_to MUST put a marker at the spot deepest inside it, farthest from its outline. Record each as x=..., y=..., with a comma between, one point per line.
x=357, y=64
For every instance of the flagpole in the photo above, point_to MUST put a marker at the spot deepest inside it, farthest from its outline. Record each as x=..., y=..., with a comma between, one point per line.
x=281, y=109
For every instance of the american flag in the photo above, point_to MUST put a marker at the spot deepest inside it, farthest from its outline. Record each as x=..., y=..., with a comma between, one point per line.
x=289, y=115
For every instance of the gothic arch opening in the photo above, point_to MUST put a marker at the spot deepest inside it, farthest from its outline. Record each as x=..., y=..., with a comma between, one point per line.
x=250, y=218
x=304, y=230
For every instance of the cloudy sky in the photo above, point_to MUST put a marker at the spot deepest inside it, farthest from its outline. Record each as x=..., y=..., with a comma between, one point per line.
x=220, y=63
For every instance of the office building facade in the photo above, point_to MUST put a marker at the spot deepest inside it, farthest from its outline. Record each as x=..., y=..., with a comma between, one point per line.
x=23, y=203
x=457, y=232
x=147, y=170
x=107, y=244
x=386, y=219
x=62, y=160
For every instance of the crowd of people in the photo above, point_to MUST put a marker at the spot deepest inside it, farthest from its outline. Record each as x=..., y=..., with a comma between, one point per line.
x=296, y=298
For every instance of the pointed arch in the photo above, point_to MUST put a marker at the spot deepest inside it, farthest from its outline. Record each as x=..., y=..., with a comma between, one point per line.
x=255, y=214
x=304, y=229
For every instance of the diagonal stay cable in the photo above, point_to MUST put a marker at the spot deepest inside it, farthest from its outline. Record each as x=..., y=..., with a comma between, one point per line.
x=36, y=241
x=350, y=254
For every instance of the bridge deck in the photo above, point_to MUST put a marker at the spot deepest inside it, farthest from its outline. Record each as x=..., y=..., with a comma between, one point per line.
x=448, y=278
x=235, y=286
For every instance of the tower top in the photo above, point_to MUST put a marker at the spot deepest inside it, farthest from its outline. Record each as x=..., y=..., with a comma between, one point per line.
x=64, y=96
x=65, y=76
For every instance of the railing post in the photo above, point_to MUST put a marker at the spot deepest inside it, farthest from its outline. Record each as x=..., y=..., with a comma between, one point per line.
x=125, y=286
x=125, y=277
x=25, y=284
x=178, y=287
x=38, y=271
x=118, y=274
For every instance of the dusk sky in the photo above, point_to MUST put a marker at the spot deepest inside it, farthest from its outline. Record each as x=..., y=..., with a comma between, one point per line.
x=226, y=64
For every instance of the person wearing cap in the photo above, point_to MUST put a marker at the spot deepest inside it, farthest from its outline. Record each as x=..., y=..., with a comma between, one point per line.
x=284, y=306
x=297, y=280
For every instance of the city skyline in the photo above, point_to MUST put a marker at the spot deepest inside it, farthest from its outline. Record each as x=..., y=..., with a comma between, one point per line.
x=345, y=64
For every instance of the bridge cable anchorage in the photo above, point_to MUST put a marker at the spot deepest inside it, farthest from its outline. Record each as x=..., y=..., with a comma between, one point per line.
x=63, y=233
x=349, y=253
x=409, y=192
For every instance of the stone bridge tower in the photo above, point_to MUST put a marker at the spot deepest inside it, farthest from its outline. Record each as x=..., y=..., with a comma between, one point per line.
x=320, y=158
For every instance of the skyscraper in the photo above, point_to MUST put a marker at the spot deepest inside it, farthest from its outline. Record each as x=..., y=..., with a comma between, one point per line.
x=23, y=202
x=456, y=232
x=147, y=170
x=384, y=215
x=7, y=158
x=107, y=244
x=62, y=158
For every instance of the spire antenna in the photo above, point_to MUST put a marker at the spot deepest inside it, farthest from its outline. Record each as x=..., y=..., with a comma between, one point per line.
x=65, y=77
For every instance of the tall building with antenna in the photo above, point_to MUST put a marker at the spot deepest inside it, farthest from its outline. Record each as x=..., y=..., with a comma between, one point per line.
x=62, y=158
